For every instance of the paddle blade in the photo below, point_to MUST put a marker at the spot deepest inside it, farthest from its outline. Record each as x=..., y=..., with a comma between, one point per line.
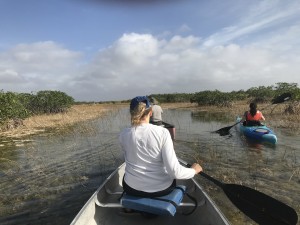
x=261, y=208
x=225, y=130
x=282, y=98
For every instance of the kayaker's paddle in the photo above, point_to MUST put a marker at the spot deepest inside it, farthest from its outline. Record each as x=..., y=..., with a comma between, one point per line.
x=225, y=130
x=258, y=206
x=279, y=99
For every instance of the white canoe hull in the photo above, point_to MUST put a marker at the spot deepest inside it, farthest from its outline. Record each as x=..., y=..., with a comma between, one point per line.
x=104, y=207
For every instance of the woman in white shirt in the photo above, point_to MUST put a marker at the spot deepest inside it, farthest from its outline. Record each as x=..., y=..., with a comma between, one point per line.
x=151, y=162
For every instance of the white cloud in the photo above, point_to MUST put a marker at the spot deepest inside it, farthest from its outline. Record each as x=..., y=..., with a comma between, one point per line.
x=260, y=18
x=138, y=64
x=135, y=48
x=182, y=65
x=10, y=76
x=39, y=66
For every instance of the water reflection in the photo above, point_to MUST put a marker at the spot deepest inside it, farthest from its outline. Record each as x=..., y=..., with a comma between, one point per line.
x=206, y=116
x=47, y=179
x=272, y=169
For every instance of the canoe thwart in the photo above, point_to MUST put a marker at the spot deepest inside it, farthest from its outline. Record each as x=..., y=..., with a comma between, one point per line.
x=108, y=205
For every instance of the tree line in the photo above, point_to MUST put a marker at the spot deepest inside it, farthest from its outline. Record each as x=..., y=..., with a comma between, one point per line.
x=18, y=106
x=259, y=94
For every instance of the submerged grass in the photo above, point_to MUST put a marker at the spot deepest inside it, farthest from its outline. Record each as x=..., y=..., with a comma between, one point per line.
x=61, y=173
x=77, y=113
x=275, y=116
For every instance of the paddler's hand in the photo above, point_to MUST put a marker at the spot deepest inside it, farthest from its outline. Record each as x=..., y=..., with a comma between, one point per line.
x=197, y=168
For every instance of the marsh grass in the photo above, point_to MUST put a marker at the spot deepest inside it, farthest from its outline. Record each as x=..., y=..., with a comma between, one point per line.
x=77, y=113
x=40, y=168
x=257, y=174
x=42, y=173
x=35, y=175
x=276, y=115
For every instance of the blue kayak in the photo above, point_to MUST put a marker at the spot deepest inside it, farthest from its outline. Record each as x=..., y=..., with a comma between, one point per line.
x=259, y=133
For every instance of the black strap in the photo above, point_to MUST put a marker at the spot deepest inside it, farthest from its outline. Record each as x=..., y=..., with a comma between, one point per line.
x=196, y=204
x=121, y=196
x=180, y=188
x=192, y=198
x=173, y=203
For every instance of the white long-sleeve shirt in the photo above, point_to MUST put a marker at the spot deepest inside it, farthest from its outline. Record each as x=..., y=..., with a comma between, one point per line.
x=151, y=162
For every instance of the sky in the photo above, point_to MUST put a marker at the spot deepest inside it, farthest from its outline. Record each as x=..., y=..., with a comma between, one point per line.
x=107, y=50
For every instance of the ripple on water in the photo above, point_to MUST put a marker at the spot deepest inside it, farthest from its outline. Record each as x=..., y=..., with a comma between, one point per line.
x=47, y=180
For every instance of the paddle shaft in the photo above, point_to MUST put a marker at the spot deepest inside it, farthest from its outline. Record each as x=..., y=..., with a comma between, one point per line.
x=258, y=206
x=216, y=182
x=235, y=124
x=225, y=130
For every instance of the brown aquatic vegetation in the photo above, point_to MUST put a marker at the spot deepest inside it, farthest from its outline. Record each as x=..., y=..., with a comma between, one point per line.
x=77, y=113
x=275, y=116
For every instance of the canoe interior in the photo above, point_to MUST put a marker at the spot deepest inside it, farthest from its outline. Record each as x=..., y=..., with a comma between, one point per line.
x=104, y=207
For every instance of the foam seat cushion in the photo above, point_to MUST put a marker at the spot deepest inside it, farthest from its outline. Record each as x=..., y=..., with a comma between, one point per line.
x=164, y=205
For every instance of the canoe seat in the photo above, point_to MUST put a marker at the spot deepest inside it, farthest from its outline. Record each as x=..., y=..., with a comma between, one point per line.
x=164, y=205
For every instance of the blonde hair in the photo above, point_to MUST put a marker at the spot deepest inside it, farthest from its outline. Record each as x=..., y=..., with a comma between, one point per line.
x=138, y=113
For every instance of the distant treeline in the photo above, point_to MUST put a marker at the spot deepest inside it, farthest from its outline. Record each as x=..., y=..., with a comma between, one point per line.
x=21, y=105
x=16, y=106
x=259, y=94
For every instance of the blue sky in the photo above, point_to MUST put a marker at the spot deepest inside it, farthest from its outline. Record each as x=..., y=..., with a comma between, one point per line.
x=94, y=50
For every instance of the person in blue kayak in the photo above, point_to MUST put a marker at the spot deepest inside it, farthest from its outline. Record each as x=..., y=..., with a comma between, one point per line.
x=253, y=116
x=152, y=166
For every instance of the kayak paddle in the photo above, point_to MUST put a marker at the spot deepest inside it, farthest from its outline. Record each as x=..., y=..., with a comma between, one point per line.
x=279, y=99
x=258, y=206
x=225, y=130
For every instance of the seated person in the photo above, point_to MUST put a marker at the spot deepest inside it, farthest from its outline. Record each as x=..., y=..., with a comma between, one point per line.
x=151, y=163
x=157, y=111
x=253, y=116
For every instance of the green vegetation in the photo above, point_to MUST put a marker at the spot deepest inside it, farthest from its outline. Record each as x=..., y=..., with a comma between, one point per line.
x=11, y=107
x=259, y=94
x=50, y=102
x=217, y=98
x=14, y=106
x=172, y=98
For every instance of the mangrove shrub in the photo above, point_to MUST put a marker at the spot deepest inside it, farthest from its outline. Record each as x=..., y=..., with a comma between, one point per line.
x=11, y=107
x=50, y=102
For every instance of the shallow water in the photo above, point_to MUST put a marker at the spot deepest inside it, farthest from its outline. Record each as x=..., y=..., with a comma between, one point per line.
x=46, y=179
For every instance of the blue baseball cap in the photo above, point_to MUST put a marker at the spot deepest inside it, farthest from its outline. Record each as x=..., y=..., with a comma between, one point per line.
x=135, y=101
